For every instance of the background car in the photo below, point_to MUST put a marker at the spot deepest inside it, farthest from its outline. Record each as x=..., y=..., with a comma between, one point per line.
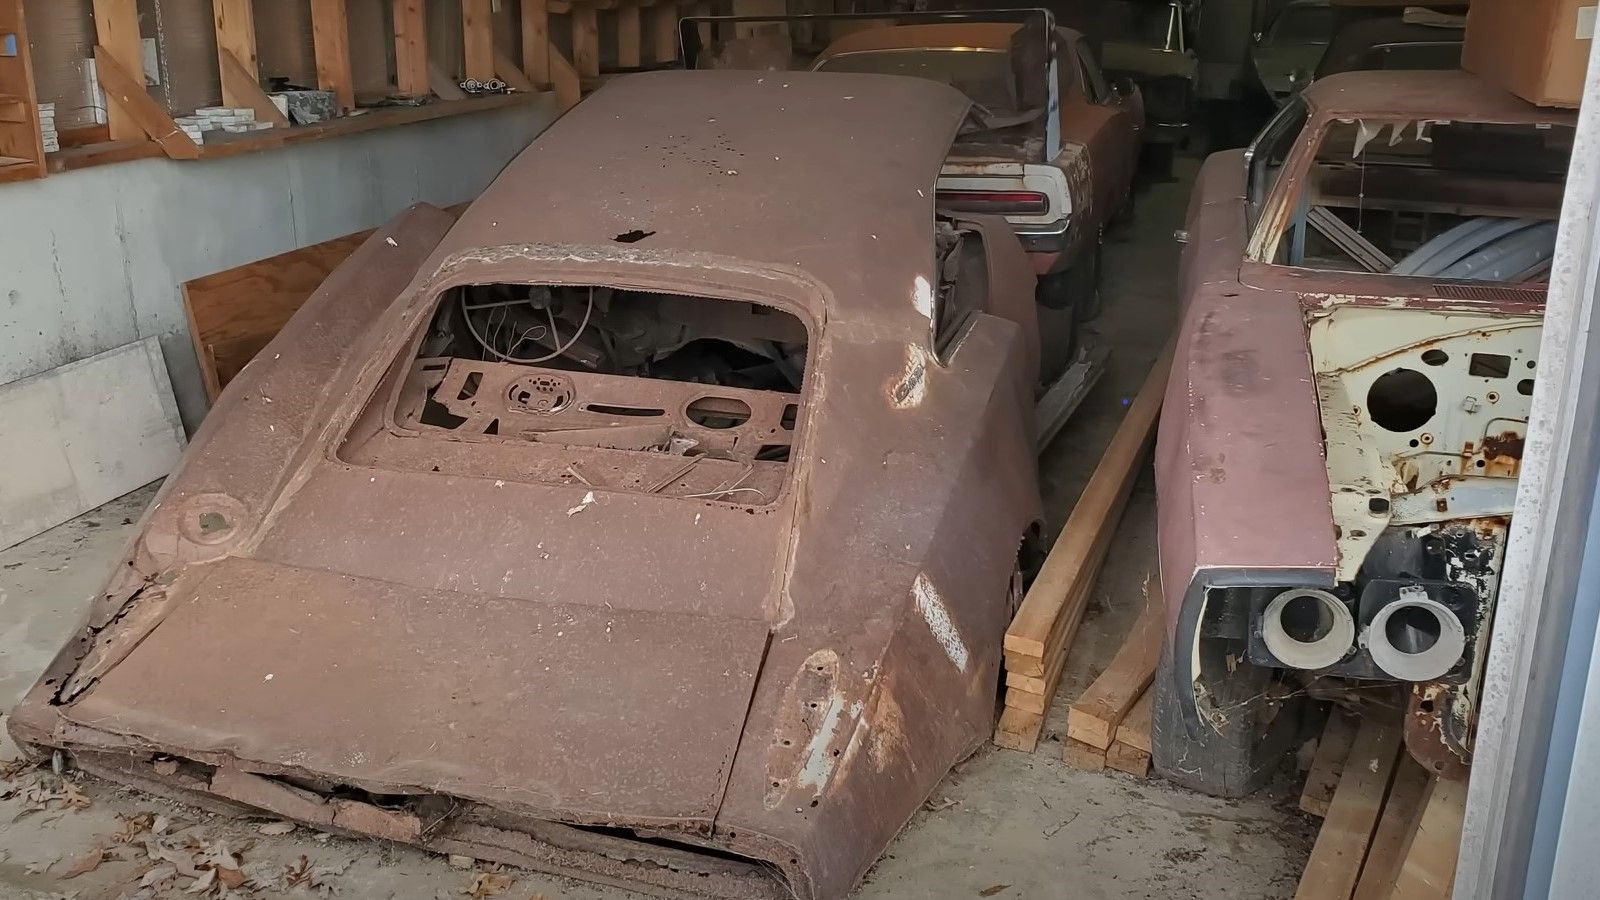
x=1339, y=449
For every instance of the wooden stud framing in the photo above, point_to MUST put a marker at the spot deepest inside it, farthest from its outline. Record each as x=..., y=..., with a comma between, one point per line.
x=21, y=144
x=630, y=32
x=564, y=80
x=586, y=40
x=126, y=91
x=330, y=31
x=236, y=34
x=666, y=32
x=116, y=28
x=477, y=39
x=536, y=41
x=411, y=47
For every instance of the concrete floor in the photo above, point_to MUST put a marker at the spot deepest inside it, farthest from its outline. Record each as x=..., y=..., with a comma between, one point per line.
x=1004, y=824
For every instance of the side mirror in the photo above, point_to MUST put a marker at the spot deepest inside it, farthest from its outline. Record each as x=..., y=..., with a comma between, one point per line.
x=1124, y=86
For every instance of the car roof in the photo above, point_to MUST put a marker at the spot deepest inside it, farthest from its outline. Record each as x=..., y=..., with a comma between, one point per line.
x=826, y=173
x=1439, y=95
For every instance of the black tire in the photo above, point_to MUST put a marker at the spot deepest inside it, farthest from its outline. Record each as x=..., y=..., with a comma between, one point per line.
x=1235, y=754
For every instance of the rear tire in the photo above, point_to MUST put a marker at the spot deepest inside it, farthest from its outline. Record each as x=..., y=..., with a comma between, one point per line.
x=1235, y=753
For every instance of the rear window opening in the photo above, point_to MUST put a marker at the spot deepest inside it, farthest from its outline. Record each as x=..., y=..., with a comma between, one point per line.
x=619, y=389
x=1445, y=200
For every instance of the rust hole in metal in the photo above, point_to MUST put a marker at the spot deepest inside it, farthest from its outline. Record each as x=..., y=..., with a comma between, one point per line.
x=1402, y=400
x=632, y=237
x=212, y=523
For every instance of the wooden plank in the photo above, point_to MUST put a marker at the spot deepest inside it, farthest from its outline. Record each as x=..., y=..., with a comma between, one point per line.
x=1096, y=513
x=233, y=314
x=665, y=28
x=477, y=39
x=236, y=37
x=564, y=80
x=1018, y=730
x=1097, y=712
x=1135, y=729
x=330, y=34
x=240, y=87
x=127, y=94
x=1129, y=759
x=1395, y=828
x=509, y=72
x=1341, y=846
x=116, y=28
x=1082, y=756
x=1328, y=762
x=586, y=40
x=536, y=41
x=21, y=142
x=1039, y=703
x=411, y=47
x=1429, y=870
x=630, y=33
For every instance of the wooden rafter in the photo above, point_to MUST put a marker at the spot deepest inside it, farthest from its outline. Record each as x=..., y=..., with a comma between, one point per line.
x=116, y=27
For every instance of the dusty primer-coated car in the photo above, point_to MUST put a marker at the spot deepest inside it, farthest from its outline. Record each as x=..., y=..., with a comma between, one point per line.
x=656, y=523
x=1340, y=443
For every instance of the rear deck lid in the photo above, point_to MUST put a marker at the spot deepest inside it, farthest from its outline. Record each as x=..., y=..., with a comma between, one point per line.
x=591, y=714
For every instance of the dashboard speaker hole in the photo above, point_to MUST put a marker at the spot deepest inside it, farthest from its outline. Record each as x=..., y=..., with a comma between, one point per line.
x=1402, y=400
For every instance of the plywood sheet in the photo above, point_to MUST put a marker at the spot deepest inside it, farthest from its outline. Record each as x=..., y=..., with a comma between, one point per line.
x=82, y=434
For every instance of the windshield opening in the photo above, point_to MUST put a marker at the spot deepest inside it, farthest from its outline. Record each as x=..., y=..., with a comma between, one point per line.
x=984, y=75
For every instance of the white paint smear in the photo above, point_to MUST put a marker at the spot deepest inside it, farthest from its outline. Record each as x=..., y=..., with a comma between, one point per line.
x=931, y=605
x=922, y=296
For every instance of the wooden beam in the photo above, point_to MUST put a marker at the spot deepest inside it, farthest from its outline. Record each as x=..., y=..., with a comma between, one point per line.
x=330, y=34
x=1429, y=870
x=564, y=80
x=1129, y=759
x=1096, y=713
x=536, y=41
x=630, y=33
x=477, y=39
x=236, y=34
x=1082, y=756
x=1393, y=837
x=1327, y=764
x=1135, y=729
x=241, y=88
x=1347, y=830
x=411, y=47
x=508, y=71
x=1098, y=509
x=666, y=31
x=126, y=92
x=116, y=28
x=586, y=41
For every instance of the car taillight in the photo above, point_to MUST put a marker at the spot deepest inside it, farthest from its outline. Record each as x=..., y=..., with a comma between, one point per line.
x=1001, y=202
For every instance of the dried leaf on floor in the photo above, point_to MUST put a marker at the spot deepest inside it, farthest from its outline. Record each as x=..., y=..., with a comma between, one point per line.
x=276, y=828
x=132, y=827
x=992, y=889
x=487, y=884
x=86, y=863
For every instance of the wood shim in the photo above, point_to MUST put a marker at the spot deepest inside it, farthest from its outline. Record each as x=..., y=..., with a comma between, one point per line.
x=1098, y=711
x=1347, y=830
x=1036, y=644
x=1328, y=762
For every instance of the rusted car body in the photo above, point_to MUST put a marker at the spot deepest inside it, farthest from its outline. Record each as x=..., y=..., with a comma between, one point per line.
x=1339, y=447
x=689, y=573
x=1055, y=146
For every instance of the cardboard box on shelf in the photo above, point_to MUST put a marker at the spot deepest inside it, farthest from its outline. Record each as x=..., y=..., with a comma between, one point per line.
x=1537, y=49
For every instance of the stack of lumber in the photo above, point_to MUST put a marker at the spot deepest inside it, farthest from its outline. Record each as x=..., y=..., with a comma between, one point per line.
x=1036, y=643
x=1109, y=724
x=1390, y=830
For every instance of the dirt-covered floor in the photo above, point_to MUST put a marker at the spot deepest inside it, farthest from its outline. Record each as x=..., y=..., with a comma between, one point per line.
x=1003, y=825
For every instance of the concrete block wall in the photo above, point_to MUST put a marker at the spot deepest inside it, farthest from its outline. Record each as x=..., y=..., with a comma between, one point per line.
x=94, y=259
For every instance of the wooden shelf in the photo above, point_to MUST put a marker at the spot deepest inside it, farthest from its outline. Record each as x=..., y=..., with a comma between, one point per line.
x=21, y=144
x=220, y=146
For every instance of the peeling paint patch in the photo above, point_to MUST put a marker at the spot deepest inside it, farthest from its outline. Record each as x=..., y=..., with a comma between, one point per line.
x=922, y=296
x=888, y=733
x=932, y=607
x=588, y=500
x=909, y=389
